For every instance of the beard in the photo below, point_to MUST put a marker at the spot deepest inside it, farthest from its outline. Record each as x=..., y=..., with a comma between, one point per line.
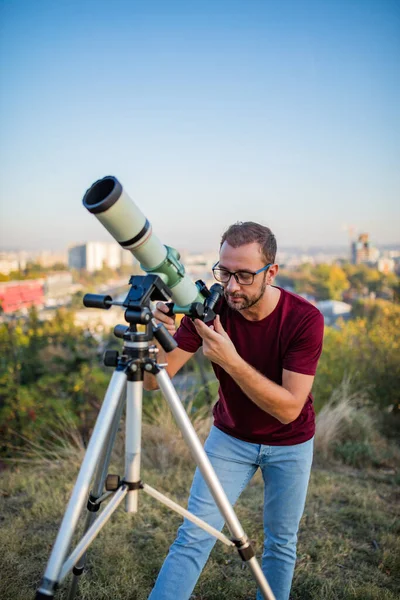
x=241, y=301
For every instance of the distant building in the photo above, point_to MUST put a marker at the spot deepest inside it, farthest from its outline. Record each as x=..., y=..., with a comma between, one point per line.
x=199, y=266
x=386, y=265
x=362, y=251
x=58, y=288
x=333, y=309
x=52, y=290
x=93, y=256
x=48, y=259
x=12, y=261
x=19, y=261
x=21, y=295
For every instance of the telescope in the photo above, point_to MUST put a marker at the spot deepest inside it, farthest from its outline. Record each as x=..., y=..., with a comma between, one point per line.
x=107, y=200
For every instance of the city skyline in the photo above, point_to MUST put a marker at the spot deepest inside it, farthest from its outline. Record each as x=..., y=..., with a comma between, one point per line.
x=207, y=113
x=333, y=251
x=288, y=248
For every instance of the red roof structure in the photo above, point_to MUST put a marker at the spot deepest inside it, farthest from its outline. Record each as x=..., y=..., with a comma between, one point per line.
x=19, y=295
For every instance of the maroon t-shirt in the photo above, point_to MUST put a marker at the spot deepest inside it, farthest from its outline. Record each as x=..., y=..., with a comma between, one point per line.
x=289, y=338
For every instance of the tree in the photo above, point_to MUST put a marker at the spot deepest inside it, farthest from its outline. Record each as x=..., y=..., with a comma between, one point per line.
x=366, y=349
x=365, y=280
x=329, y=282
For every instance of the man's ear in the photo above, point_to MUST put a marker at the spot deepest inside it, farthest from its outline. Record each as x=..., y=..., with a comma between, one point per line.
x=272, y=273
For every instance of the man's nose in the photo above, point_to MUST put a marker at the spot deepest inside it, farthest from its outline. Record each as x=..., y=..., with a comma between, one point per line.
x=232, y=285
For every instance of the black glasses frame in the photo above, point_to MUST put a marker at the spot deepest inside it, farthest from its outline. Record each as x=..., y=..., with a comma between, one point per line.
x=235, y=274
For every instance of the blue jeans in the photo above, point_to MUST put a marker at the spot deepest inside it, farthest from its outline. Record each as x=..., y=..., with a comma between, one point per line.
x=285, y=470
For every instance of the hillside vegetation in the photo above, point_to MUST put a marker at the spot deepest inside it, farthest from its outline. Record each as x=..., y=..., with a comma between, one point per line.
x=51, y=386
x=349, y=546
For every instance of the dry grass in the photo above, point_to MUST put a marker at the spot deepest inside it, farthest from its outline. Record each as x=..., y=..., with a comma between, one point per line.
x=348, y=431
x=163, y=445
x=63, y=443
x=344, y=417
x=349, y=543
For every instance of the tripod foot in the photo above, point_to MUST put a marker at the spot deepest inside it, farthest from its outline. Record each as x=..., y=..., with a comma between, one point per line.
x=46, y=590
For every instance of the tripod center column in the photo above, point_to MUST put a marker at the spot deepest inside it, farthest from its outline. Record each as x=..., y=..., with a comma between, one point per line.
x=133, y=440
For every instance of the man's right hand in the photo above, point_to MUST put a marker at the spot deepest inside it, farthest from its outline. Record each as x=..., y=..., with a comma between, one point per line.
x=161, y=317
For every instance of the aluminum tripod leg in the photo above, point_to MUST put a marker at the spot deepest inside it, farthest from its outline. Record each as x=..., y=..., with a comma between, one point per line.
x=81, y=489
x=211, y=479
x=97, y=490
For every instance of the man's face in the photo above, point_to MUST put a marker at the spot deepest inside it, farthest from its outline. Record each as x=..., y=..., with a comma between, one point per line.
x=244, y=258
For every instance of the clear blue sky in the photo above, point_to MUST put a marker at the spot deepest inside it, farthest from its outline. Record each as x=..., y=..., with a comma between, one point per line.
x=284, y=112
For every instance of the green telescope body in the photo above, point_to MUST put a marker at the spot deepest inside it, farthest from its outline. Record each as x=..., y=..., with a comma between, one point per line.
x=108, y=201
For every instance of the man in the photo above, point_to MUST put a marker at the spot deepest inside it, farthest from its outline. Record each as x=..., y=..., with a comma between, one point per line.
x=264, y=347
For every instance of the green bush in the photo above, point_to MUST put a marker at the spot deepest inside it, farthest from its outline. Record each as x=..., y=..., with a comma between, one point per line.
x=367, y=350
x=47, y=370
x=355, y=453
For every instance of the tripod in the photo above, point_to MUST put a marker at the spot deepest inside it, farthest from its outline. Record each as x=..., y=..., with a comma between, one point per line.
x=126, y=387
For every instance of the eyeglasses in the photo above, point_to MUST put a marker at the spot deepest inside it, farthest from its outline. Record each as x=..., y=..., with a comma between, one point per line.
x=241, y=277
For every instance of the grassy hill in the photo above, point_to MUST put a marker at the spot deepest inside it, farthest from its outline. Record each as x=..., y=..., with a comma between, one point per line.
x=349, y=544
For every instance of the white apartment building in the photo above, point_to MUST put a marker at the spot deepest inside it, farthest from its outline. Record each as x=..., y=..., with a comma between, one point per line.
x=92, y=256
x=199, y=266
x=18, y=261
x=12, y=261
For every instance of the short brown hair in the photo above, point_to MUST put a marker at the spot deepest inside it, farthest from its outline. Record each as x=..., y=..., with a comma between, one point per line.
x=247, y=232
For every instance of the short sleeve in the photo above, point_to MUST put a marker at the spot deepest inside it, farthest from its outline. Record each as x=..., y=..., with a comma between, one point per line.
x=305, y=348
x=187, y=337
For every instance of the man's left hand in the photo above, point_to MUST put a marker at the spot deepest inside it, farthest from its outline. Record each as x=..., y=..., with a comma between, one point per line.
x=217, y=345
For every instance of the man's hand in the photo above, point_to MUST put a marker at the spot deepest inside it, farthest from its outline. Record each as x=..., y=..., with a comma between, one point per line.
x=175, y=359
x=284, y=402
x=217, y=345
x=161, y=317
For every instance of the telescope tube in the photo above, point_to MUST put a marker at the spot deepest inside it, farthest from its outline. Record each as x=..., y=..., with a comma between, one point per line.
x=107, y=200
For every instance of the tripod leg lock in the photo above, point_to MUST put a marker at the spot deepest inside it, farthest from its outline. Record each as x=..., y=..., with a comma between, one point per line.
x=132, y=485
x=245, y=549
x=93, y=505
x=113, y=483
x=78, y=570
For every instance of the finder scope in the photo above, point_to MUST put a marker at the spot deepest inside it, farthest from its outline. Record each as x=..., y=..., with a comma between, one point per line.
x=108, y=201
